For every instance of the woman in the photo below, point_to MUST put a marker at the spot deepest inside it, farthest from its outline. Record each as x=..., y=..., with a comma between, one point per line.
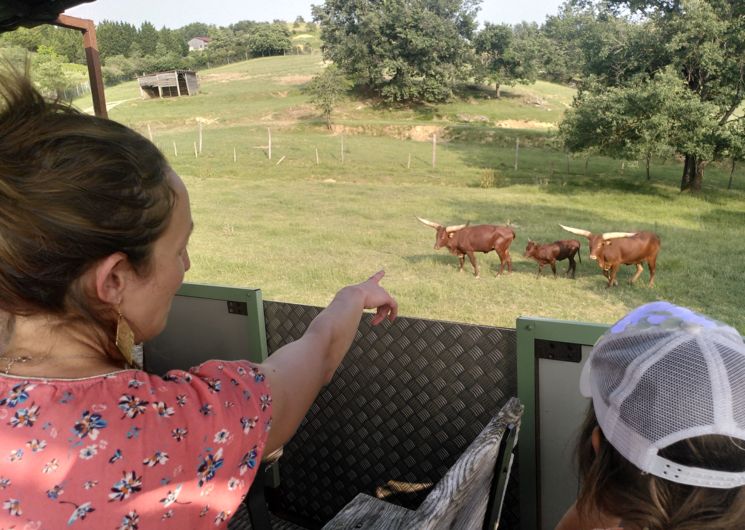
x=94, y=227
x=663, y=445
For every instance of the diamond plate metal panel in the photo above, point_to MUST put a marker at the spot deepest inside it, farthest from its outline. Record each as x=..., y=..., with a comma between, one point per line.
x=407, y=400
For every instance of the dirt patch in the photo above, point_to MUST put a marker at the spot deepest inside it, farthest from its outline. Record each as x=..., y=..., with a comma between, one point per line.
x=298, y=112
x=471, y=118
x=294, y=79
x=418, y=133
x=225, y=77
x=525, y=124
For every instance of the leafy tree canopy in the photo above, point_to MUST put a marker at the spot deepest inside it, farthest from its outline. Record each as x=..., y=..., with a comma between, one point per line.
x=401, y=50
x=699, y=43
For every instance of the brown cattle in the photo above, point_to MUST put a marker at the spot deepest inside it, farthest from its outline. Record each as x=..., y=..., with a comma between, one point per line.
x=464, y=240
x=550, y=253
x=613, y=249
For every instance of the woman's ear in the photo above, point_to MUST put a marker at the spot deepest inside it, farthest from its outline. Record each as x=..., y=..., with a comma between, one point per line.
x=110, y=276
x=596, y=438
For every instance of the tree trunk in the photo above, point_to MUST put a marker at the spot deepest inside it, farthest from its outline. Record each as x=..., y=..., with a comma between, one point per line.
x=731, y=175
x=693, y=173
x=498, y=90
x=649, y=158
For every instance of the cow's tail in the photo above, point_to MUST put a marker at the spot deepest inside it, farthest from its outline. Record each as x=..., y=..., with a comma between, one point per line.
x=579, y=252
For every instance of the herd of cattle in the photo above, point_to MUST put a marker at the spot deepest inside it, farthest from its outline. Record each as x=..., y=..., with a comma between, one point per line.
x=610, y=250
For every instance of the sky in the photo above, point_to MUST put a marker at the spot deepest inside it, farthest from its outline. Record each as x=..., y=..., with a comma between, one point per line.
x=177, y=13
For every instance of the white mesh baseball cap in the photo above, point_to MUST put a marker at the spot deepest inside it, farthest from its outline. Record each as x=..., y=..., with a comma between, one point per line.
x=662, y=374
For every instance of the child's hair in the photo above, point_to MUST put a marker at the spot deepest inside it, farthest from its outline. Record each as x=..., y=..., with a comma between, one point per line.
x=73, y=189
x=612, y=485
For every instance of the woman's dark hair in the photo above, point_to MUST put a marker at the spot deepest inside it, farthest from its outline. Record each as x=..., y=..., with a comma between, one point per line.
x=74, y=189
x=610, y=484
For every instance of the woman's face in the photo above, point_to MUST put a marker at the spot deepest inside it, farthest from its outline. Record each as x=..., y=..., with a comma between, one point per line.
x=147, y=301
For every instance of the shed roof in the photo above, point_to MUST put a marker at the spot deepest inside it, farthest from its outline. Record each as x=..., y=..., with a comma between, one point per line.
x=28, y=13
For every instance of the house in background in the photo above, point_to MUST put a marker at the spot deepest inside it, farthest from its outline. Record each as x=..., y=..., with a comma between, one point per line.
x=168, y=84
x=198, y=43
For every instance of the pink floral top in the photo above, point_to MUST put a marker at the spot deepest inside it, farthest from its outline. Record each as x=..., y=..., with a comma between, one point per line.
x=129, y=450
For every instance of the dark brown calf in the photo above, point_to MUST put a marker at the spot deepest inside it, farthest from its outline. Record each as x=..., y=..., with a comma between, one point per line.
x=464, y=240
x=550, y=253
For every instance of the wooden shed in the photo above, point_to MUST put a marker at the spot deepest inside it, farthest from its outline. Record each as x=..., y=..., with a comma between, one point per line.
x=168, y=84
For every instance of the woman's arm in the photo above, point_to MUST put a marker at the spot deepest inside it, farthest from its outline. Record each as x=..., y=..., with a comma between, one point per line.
x=297, y=371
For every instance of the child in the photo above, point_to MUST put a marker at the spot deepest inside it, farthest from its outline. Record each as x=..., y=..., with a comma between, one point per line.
x=663, y=444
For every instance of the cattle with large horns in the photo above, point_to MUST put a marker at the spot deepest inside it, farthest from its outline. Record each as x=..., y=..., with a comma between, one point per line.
x=550, y=253
x=613, y=249
x=463, y=240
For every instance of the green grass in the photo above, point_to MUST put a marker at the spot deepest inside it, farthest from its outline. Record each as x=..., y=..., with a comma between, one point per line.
x=299, y=230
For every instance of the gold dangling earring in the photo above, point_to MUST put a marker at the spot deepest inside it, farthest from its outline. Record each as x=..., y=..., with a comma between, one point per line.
x=125, y=338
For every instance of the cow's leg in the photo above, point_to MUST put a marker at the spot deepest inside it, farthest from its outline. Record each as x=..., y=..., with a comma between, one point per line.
x=612, y=275
x=638, y=273
x=472, y=257
x=553, y=267
x=461, y=260
x=505, y=259
x=572, y=266
x=540, y=269
x=652, y=264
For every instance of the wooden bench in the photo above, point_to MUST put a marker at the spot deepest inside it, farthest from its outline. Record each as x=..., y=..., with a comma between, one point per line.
x=469, y=496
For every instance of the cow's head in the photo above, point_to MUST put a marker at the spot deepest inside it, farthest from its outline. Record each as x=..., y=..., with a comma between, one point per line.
x=597, y=241
x=444, y=233
x=530, y=248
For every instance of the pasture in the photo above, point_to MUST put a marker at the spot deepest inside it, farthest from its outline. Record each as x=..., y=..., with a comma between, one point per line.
x=299, y=227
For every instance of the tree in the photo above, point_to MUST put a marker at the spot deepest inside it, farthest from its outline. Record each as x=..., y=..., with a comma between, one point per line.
x=735, y=150
x=269, y=39
x=503, y=57
x=147, y=36
x=115, y=38
x=402, y=50
x=702, y=43
x=326, y=90
x=637, y=121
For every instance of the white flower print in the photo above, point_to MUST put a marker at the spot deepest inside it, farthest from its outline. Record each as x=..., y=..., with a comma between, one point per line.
x=13, y=506
x=16, y=455
x=88, y=452
x=221, y=436
x=234, y=483
x=4, y=483
x=36, y=445
x=159, y=457
x=50, y=466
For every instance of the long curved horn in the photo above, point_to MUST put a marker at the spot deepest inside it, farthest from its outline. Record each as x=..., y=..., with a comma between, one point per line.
x=429, y=223
x=455, y=228
x=617, y=235
x=577, y=231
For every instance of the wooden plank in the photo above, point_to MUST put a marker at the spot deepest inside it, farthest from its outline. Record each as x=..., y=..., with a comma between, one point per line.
x=368, y=513
x=92, y=59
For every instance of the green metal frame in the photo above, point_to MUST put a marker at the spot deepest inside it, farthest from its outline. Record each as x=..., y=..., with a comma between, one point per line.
x=254, y=303
x=528, y=330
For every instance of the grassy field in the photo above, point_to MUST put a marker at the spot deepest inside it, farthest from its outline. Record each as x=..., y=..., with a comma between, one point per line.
x=300, y=227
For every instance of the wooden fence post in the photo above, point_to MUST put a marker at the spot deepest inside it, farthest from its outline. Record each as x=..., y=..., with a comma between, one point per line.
x=342, y=148
x=175, y=150
x=149, y=131
x=317, y=161
x=200, y=137
x=517, y=151
x=269, y=132
x=434, y=150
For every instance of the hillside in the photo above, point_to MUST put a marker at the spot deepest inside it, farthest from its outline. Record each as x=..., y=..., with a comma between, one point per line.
x=299, y=226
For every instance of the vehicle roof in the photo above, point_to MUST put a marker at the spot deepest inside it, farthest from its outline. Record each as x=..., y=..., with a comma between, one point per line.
x=28, y=13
